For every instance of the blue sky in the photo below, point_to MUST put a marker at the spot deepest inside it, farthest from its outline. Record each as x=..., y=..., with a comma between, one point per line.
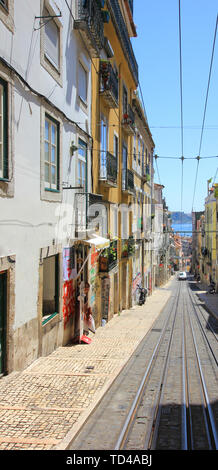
x=157, y=52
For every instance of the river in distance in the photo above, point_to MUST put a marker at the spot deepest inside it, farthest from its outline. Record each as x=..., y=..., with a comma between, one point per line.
x=184, y=230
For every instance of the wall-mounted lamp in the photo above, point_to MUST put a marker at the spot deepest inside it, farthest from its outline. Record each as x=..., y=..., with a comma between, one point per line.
x=73, y=148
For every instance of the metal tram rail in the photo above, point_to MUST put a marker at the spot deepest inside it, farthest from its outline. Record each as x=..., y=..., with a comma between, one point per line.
x=210, y=421
x=174, y=404
x=187, y=433
x=126, y=429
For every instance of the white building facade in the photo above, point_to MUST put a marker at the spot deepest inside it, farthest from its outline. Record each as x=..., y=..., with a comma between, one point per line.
x=45, y=156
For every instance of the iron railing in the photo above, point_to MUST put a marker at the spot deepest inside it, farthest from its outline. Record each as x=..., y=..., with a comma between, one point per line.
x=128, y=180
x=128, y=120
x=83, y=218
x=90, y=21
x=108, y=167
x=108, y=258
x=109, y=80
x=122, y=32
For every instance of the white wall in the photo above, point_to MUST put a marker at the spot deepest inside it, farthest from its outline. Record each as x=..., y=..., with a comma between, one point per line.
x=28, y=221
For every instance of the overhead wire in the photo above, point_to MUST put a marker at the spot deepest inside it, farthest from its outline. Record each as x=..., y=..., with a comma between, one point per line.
x=209, y=78
x=181, y=104
x=204, y=114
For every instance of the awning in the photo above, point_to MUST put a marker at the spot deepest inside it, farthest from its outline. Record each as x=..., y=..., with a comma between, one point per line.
x=99, y=242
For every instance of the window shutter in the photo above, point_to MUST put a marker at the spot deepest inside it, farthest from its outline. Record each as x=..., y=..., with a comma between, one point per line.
x=82, y=83
x=52, y=41
x=3, y=130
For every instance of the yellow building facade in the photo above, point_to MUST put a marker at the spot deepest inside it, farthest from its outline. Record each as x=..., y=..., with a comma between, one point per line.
x=211, y=226
x=119, y=129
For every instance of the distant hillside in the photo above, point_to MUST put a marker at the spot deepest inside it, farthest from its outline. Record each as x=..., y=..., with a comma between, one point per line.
x=176, y=218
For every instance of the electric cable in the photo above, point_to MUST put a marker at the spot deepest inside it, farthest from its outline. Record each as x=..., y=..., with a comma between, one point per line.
x=181, y=104
x=208, y=86
x=180, y=64
x=204, y=114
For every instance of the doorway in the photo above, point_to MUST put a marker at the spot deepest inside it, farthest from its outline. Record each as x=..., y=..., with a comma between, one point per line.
x=81, y=253
x=3, y=323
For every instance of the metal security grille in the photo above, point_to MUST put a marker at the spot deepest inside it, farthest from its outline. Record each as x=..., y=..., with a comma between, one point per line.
x=83, y=215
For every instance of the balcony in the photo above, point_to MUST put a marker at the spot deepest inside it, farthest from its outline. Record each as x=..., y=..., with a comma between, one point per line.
x=146, y=173
x=127, y=247
x=128, y=181
x=89, y=21
x=108, y=169
x=131, y=5
x=121, y=29
x=84, y=216
x=128, y=121
x=109, y=84
x=108, y=258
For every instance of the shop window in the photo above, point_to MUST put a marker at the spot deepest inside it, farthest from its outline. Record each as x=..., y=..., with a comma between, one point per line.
x=50, y=304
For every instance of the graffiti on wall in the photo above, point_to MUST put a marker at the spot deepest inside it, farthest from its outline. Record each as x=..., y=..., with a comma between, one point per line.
x=69, y=271
x=68, y=287
x=68, y=301
x=105, y=296
x=93, y=281
x=136, y=280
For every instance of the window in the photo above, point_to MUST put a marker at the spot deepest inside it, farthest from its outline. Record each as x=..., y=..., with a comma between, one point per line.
x=104, y=147
x=134, y=148
x=143, y=158
x=50, y=305
x=82, y=165
x=139, y=149
x=52, y=41
x=115, y=224
x=4, y=3
x=124, y=169
x=83, y=83
x=116, y=147
x=3, y=130
x=125, y=100
x=51, y=154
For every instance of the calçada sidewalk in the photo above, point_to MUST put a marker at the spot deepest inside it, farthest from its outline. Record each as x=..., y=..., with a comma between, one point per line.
x=44, y=406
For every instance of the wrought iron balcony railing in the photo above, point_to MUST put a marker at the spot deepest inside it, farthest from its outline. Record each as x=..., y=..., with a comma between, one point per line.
x=146, y=173
x=109, y=84
x=89, y=21
x=128, y=121
x=122, y=32
x=131, y=5
x=128, y=180
x=108, y=168
x=108, y=258
x=84, y=217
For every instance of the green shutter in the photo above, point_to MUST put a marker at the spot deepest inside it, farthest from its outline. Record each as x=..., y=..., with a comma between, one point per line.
x=5, y=128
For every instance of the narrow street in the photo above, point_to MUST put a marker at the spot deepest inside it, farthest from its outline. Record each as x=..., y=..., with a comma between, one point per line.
x=166, y=396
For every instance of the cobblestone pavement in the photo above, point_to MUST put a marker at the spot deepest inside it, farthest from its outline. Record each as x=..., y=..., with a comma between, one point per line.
x=210, y=300
x=44, y=406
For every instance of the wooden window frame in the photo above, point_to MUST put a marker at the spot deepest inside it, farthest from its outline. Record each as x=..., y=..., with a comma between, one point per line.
x=4, y=129
x=57, y=288
x=49, y=185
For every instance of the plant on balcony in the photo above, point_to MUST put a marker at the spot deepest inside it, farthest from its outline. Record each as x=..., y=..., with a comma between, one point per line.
x=131, y=246
x=101, y=3
x=105, y=16
x=125, y=248
x=108, y=258
x=105, y=73
x=127, y=120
